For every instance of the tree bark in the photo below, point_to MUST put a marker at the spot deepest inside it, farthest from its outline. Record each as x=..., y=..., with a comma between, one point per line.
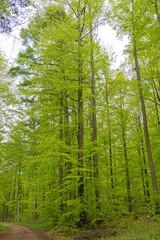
x=5, y=214
x=109, y=139
x=35, y=208
x=156, y=107
x=82, y=221
x=144, y=159
x=68, y=143
x=18, y=201
x=94, y=117
x=128, y=185
x=61, y=158
x=142, y=172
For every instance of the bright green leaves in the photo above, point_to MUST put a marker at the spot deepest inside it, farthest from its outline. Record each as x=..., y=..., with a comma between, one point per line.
x=65, y=81
x=4, y=8
x=16, y=71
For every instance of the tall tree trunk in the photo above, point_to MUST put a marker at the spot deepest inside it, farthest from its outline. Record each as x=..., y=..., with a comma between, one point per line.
x=156, y=107
x=109, y=138
x=94, y=117
x=35, y=208
x=156, y=91
x=128, y=185
x=80, y=129
x=35, y=195
x=13, y=199
x=5, y=214
x=147, y=140
x=18, y=201
x=83, y=216
x=31, y=200
x=142, y=172
x=61, y=158
x=68, y=143
x=144, y=160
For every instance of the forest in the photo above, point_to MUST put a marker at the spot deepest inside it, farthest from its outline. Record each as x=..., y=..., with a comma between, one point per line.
x=79, y=139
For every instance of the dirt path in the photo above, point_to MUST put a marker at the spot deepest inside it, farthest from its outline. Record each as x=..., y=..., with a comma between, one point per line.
x=17, y=232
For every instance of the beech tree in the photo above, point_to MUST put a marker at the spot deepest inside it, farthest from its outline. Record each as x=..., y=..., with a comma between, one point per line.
x=61, y=74
x=134, y=19
x=78, y=154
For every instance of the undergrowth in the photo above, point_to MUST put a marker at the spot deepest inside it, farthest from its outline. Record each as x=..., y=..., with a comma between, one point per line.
x=2, y=227
x=135, y=228
x=131, y=227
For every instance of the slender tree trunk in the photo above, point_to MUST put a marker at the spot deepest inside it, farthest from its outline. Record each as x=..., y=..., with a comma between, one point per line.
x=5, y=215
x=31, y=215
x=156, y=91
x=144, y=161
x=142, y=172
x=68, y=143
x=34, y=193
x=147, y=140
x=67, y=131
x=156, y=107
x=83, y=216
x=35, y=206
x=128, y=185
x=80, y=130
x=107, y=169
x=94, y=118
x=109, y=138
x=18, y=201
x=61, y=158
x=13, y=199
x=140, y=158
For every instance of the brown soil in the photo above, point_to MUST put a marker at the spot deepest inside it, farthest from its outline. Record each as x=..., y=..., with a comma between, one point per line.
x=16, y=232
x=91, y=234
x=94, y=234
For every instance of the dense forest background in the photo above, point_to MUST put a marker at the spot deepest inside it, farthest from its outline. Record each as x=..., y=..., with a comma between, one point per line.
x=79, y=141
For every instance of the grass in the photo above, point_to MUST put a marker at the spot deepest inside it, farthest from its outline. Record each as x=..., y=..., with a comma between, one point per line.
x=34, y=225
x=2, y=227
x=37, y=226
x=129, y=228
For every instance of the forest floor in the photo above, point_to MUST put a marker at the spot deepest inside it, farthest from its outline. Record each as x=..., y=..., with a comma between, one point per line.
x=133, y=227
x=126, y=228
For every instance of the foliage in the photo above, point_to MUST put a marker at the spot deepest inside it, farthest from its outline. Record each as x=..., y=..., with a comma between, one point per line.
x=77, y=155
